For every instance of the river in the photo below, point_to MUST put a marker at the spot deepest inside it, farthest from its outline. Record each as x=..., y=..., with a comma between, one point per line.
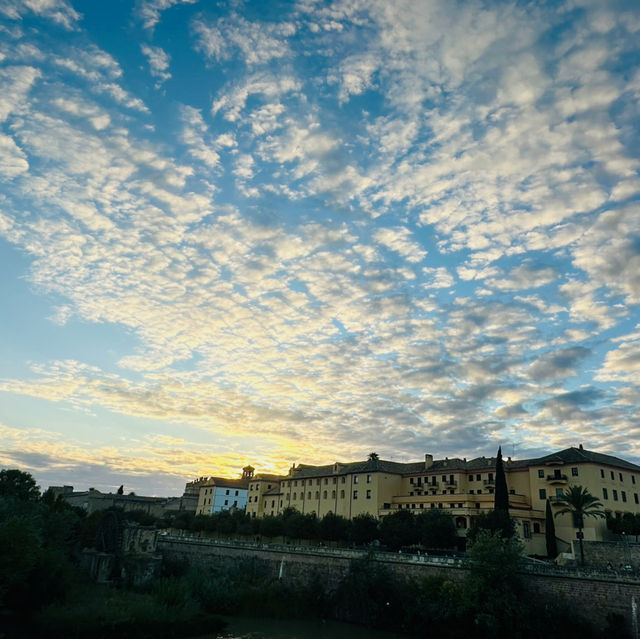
x=245, y=628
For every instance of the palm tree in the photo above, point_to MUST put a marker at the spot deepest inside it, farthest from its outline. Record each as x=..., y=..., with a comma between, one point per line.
x=581, y=503
x=374, y=457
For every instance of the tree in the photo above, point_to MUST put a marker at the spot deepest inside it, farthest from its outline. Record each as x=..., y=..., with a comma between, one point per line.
x=334, y=528
x=580, y=504
x=493, y=587
x=373, y=457
x=19, y=485
x=398, y=530
x=121, y=490
x=364, y=529
x=436, y=529
x=501, y=501
x=495, y=521
x=550, y=533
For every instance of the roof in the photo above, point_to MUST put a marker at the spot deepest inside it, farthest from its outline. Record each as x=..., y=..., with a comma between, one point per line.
x=226, y=482
x=580, y=455
x=568, y=455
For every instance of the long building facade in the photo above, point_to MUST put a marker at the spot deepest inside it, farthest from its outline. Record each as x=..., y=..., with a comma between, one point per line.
x=464, y=488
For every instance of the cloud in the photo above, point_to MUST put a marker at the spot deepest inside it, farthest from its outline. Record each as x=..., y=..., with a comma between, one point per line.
x=158, y=62
x=150, y=11
x=257, y=43
x=58, y=11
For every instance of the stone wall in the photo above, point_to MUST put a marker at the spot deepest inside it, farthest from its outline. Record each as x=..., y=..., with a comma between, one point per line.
x=612, y=555
x=594, y=595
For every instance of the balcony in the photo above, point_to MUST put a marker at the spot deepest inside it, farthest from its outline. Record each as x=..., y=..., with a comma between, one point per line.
x=558, y=500
x=488, y=482
x=449, y=484
x=557, y=479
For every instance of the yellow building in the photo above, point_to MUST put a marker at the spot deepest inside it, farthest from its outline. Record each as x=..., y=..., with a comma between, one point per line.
x=462, y=487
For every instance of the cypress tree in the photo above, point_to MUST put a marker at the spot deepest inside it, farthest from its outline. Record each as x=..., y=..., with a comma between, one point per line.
x=550, y=533
x=501, y=501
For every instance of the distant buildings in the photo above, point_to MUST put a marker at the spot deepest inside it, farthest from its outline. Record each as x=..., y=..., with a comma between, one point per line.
x=462, y=487
x=92, y=500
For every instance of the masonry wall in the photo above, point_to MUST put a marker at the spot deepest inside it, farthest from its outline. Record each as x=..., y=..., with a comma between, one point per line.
x=593, y=595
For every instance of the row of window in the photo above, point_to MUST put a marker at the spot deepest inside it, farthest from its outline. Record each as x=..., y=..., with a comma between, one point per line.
x=325, y=480
x=623, y=494
x=447, y=479
x=620, y=476
x=325, y=494
x=209, y=491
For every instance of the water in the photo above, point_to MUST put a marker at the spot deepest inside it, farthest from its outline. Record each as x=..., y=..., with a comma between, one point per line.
x=242, y=628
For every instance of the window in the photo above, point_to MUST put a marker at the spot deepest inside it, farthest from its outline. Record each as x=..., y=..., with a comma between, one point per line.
x=620, y=474
x=635, y=497
x=526, y=529
x=479, y=492
x=452, y=505
x=294, y=496
x=540, y=473
x=318, y=482
x=470, y=477
x=605, y=493
x=342, y=494
x=326, y=481
x=490, y=476
x=444, y=478
x=333, y=494
x=317, y=494
x=615, y=495
x=413, y=506
x=309, y=495
x=226, y=502
x=411, y=480
x=355, y=479
x=471, y=491
x=574, y=472
x=542, y=493
x=324, y=494
x=411, y=494
x=536, y=527
x=559, y=492
x=368, y=479
x=451, y=491
x=633, y=479
x=342, y=480
x=355, y=494
x=612, y=475
x=226, y=492
x=451, y=479
x=602, y=473
x=478, y=506
x=478, y=477
x=368, y=494
x=295, y=483
x=334, y=480
x=273, y=503
x=624, y=496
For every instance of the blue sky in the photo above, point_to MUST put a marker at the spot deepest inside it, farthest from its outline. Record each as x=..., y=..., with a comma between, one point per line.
x=249, y=232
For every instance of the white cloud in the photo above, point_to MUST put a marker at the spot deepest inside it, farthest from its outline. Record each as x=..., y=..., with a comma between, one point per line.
x=158, y=62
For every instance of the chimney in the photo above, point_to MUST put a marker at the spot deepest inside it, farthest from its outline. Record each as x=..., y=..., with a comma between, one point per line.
x=428, y=461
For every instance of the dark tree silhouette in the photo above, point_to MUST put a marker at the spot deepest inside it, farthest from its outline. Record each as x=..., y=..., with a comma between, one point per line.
x=550, y=533
x=501, y=501
x=373, y=457
x=121, y=490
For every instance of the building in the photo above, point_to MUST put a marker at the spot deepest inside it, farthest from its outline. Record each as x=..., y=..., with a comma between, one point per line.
x=221, y=493
x=92, y=500
x=465, y=488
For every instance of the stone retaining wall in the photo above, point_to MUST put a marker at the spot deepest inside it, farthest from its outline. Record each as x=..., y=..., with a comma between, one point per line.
x=594, y=595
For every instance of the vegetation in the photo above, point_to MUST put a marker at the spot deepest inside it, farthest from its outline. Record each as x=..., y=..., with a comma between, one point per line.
x=580, y=504
x=501, y=501
x=550, y=533
x=628, y=524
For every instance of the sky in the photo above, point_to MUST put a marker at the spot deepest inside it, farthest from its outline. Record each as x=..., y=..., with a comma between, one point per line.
x=301, y=231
